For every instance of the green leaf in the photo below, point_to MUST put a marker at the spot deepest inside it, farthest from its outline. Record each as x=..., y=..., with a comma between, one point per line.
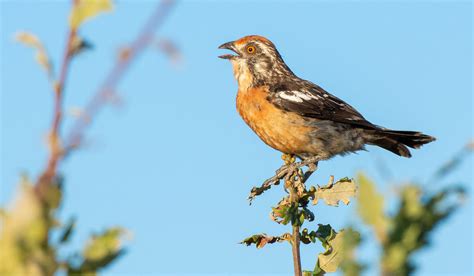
x=290, y=212
x=24, y=249
x=86, y=9
x=325, y=233
x=312, y=273
x=54, y=193
x=308, y=237
x=342, y=190
x=415, y=220
x=104, y=244
x=100, y=251
x=337, y=250
x=280, y=212
x=67, y=230
x=371, y=207
x=350, y=266
x=308, y=214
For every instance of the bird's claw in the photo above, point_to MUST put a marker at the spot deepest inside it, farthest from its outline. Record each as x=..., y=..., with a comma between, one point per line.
x=286, y=172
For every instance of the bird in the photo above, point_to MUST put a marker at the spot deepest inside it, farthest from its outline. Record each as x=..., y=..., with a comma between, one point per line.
x=298, y=117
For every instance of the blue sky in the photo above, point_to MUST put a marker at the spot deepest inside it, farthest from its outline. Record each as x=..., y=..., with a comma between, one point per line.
x=175, y=163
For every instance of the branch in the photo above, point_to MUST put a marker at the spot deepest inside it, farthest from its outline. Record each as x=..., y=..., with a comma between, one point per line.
x=285, y=172
x=56, y=151
x=108, y=87
x=59, y=152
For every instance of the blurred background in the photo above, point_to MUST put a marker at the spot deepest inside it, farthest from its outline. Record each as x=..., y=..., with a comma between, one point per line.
x=174, y=163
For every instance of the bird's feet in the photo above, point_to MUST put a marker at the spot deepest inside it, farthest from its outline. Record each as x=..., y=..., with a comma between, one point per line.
x=290, y=169
x=294, y=169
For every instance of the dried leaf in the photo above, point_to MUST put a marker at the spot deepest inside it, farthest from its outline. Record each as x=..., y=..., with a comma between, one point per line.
x=28, y=39
x=342, y=190
x=260, y=240
x=86, y=9
x=41, y=56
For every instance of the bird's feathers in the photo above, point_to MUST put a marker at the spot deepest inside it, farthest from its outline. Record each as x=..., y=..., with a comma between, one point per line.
x=299, y=117
x=310, y=100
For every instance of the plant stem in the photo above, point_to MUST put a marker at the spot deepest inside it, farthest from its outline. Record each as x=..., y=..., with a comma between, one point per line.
x=56, y=153
x=123, y=63
x=295, y=239
x=295, y=244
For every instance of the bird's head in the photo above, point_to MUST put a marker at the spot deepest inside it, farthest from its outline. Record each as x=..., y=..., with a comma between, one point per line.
x=256, y=61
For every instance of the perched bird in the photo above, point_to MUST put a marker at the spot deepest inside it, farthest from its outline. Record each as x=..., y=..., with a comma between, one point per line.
x=296, y=116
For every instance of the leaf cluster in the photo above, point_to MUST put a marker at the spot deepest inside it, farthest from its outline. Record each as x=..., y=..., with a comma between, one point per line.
x=27, y=246
x=294, y=210
x=31, y=233
x=407, y=230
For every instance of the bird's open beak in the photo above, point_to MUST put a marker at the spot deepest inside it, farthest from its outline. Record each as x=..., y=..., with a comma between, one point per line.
x=229, y=46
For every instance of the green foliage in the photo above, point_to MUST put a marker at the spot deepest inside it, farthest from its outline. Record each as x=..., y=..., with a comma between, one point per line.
x=400, y=233
x=290, y=212
x=26, y=247
x=100, y=251
x=30, y=225
x=406, y=231
x=339, y=251
x=414, y=221
x=370, y=206
x=350, y=266
x=293, y=209
x=330, y=260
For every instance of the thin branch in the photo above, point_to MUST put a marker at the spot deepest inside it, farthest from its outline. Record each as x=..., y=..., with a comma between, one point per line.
x=295, y=185
x=284, y=172
x=55, y=153
x=58, y=152
x=295, y=246
x=108, y=87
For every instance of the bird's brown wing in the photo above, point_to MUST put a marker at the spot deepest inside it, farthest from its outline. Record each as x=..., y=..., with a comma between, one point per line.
x=310, y=100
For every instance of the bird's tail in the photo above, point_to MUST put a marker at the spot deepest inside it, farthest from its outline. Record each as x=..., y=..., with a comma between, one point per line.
x=397, y=141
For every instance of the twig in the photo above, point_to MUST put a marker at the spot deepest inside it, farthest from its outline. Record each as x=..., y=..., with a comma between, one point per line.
x=284, y=172
x=56, y=151
x=295, y=246
x=110, y=83
x=295, y=184
x=59, y=152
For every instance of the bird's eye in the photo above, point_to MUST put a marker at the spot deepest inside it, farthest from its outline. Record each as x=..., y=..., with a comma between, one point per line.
x=251, y=49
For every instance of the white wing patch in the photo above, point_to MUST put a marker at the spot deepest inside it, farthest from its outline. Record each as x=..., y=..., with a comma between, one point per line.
x=297, y=96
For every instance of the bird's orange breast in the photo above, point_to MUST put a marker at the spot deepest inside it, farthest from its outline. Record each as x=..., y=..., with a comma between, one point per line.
x=283, y=131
